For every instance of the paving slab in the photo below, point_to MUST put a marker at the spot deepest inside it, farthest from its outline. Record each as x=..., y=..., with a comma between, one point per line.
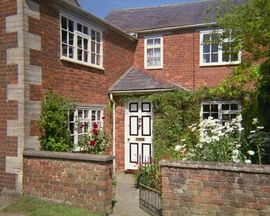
x=127, y=197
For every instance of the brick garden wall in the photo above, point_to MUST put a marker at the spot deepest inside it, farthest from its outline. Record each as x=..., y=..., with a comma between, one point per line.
x=81, y=180
x=199, y=188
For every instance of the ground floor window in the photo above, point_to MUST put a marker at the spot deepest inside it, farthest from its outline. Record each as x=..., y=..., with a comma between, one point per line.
x=81, y=122
x=222, y=110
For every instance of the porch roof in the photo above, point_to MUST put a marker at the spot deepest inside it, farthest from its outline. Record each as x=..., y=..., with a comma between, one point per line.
x=135, y=80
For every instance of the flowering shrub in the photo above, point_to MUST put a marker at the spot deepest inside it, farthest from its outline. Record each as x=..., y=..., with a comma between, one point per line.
x=211, y=141
x=95, y=141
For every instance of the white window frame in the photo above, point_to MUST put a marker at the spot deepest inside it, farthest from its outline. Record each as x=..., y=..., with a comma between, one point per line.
x=146, y=47
x=220, y=111
x=220, y=51
x=87, y=120
x=77, y=33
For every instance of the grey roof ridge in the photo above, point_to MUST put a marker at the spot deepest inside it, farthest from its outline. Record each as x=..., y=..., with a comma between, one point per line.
x=98, y=20
x=161, y=6
x=120, y=78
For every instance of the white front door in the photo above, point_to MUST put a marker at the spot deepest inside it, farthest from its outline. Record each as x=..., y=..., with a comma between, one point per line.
x=138, y=124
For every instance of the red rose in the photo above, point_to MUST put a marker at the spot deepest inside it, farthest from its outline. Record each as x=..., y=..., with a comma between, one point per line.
x=95, y=132
x=82, y=126
x=92, y=143
x=95, y=125
x=103, y=117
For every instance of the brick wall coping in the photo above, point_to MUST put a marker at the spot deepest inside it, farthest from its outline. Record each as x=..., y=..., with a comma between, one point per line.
x=68, y=156
x=250, y=168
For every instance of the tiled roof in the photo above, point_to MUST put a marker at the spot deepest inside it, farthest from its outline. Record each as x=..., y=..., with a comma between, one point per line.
x=165, y=16
x=134, y=80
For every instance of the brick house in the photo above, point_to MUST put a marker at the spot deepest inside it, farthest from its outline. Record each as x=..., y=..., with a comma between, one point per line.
x=59, y=46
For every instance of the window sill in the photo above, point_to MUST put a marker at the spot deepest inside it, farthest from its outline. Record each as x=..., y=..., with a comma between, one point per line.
x=81, y=63
x=219, y=64
x=153, y=68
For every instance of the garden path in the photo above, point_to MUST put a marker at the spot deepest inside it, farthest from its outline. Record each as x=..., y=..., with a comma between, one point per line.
x=127, y=197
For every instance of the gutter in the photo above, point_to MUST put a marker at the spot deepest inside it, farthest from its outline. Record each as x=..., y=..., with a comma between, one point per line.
x=175, y=28
x=114, y=137
x=96, y=19
x=139, y=91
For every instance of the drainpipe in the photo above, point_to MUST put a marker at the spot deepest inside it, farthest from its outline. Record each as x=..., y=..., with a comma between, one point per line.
x=113, y=144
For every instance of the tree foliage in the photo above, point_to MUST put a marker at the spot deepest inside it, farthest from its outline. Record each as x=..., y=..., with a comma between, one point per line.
x=53, y=122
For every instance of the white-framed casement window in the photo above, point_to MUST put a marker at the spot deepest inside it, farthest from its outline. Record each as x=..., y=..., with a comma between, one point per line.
x=81, y=43
x=81, y=122
x=223, y=110
x=153, y=52
x=214, y=51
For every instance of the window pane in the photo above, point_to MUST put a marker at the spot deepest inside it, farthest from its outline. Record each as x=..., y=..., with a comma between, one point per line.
x=85, y=42
x=225, y=57
x=225, y=107
x=206, y=58
x=85, y=30
x=70, y=52
x=206, y=115
x=98, y=59
x=150, y=42
x=98, y=48
x=206, y=108
x=214, y=48
x=80, y=114
x=214, y=107
x=93, y=58
x=157, y=52
x=93, y=46
x=93, y=115
x=79, y=27
x=150, y=52
x=70, y=25
x=64, y=36
x=214, y=57
x=234, y=107
x=206, y=48
x=157, y=41
x=79, y=42
x=79, y=55
x=71, y=39
x=64, y=23
x=64, y=50
x=233, y=116
x=206, y=38
x=85, y=56
x=93, y=34
x=98, y=37
x=225, y=117
x=214, y=115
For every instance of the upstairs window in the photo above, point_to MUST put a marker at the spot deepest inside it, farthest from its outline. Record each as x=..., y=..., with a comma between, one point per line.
x=82, y=120
x=80, y=43
x=215, y=51
x=153, y=53
x=223, y=110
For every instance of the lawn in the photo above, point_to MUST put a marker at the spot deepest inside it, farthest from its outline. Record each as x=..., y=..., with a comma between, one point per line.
x=32, y=207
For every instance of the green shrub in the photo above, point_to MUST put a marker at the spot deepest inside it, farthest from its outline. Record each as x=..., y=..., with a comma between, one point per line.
x=53, y=122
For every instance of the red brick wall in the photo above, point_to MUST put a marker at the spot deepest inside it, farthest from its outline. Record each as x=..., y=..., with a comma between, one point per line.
x=85, y=85
x=8, y=109
x=181, y=61
x=79, y=180
x=200, y=188
x=120, y=136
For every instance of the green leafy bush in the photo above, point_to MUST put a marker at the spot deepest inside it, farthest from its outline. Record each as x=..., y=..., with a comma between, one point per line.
x=53, y=122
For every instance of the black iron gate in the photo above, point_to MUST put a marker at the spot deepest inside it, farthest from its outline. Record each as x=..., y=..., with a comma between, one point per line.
x=150, y=200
